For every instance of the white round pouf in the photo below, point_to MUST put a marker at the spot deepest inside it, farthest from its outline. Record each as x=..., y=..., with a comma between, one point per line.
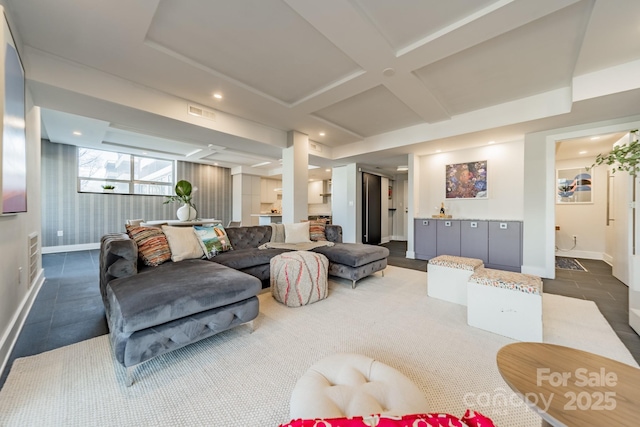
x=350, y=385
x=299, y=278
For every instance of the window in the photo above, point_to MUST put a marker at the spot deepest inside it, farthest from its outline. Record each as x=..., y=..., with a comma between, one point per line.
x=129, y=174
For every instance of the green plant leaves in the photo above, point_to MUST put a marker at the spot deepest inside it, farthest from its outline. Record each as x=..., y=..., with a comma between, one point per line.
x=626, y=157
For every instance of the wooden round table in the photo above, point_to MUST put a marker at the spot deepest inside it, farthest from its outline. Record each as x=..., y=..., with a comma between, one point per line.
x=570, y=387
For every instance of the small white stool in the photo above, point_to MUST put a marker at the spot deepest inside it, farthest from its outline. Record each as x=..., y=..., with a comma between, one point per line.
x=447, y=277
x=506, y=303
x=351, y=385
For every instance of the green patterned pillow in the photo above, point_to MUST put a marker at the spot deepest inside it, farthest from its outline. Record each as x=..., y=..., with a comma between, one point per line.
x=213, y=239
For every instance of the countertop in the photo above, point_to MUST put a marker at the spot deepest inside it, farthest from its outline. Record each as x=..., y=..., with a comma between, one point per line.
x=267, y=214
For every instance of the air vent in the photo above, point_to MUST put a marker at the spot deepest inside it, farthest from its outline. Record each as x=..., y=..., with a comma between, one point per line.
x=33, y=257
x=315, y=147
x=202, y=112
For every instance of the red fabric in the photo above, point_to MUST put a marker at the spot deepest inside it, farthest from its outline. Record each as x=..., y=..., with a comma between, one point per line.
x=476, y=419
x=470, y=419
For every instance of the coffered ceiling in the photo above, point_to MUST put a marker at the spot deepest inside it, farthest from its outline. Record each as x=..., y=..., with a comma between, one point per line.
x=368, y=80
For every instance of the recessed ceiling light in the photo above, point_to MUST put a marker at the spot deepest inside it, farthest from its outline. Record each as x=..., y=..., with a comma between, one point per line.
x=215, y=164
x=322, y=134
x=593, y=138
x=217, y=96
x=491, y=142
x=582, y=152
x=327, y=170
x=438, y=151
x=257, y=165
x=77, y=133
x=403, y=168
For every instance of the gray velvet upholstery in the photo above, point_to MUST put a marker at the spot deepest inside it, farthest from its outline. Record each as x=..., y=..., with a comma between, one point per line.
x=177, y=289
x=153, y=310
x=353, y=254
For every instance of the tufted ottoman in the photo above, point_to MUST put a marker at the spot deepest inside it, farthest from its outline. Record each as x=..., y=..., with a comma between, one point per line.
x=299, y=278
x=506, y=303
x=351, y=385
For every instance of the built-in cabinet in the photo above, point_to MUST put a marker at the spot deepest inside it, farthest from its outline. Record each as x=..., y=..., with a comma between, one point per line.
x=316, y=192
x=497, y=243
x=270, y=189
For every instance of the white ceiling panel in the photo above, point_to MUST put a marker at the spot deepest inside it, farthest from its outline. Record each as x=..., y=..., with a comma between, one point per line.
x=535, y=58
x=371, y=112
x=262, y=44
x=613, y=36
x=408, y=21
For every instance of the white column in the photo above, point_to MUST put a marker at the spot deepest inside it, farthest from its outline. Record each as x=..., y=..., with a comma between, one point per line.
x=413, y=202
x=295, y=178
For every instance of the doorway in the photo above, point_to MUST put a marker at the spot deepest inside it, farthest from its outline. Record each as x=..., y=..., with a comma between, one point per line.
x=371, y=209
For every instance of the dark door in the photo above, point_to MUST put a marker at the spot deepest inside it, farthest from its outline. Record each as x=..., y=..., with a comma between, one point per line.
x=371, y=206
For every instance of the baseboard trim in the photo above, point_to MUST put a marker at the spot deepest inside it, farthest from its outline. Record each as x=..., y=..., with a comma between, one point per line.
x=10, y=338
x=581, y=254
x=411, y=255
x=70, y=248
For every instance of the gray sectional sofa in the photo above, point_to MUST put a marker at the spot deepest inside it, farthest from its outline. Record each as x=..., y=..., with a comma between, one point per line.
x=153, y=310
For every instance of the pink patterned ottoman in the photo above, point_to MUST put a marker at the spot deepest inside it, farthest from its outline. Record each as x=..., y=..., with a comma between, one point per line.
x=299, y=278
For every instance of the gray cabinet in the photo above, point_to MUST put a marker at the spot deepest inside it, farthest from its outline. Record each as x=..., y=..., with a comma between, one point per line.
x=497, y=243
x=474, y=240
x=424, y=238
x=448, y=237
x=505, y=245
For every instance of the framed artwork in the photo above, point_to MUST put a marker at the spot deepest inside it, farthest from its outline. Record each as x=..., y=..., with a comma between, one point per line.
x=14, y=150
x=467, y=180
x=574, y=186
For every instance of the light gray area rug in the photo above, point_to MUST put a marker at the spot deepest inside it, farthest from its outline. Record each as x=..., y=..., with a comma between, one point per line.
x=239, y=378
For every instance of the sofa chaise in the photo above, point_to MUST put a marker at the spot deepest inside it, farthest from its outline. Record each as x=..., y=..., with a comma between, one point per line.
x=153, y=310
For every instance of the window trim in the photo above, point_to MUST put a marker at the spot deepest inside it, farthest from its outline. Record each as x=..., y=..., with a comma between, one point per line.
x=131, y=182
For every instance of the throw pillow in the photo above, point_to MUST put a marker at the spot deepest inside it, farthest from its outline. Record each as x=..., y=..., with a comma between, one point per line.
x=316, y=230
x=296, y=233
x=153, y=248
x=426, y=420
x=213, y=239
x=476, y=419
x=183, y=243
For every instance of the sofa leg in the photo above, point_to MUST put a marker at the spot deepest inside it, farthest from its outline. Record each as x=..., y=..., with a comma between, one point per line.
x=353, y=284
x=252, y=326
x=382, y=273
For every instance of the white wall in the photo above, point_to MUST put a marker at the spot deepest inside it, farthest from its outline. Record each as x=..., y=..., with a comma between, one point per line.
x=539, y=205
x=505, y=179
x=16, y=293
x=384, y=210
x=586, y=221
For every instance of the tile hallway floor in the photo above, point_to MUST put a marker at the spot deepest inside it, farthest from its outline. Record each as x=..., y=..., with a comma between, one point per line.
x=69, y=309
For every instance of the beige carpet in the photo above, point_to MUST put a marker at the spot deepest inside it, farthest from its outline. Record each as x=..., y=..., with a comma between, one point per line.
x=241, y=379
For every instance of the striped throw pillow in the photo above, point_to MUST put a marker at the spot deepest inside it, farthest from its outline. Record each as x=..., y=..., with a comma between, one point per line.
x=316, y=230
x=153, y=247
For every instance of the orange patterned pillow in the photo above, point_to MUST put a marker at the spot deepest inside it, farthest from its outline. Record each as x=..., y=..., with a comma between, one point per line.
x=316, y=230
x=153, y=247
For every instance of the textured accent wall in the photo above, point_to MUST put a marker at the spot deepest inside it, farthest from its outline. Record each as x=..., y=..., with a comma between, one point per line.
x=86, y=217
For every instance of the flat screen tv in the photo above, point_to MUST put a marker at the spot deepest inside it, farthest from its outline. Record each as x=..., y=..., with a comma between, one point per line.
x=14, y=155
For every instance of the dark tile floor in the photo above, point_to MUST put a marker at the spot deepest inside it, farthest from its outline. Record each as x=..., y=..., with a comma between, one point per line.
x=69, y=309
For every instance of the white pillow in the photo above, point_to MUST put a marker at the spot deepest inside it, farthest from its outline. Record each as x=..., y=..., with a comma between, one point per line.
x=183, y=242
x=296, y=233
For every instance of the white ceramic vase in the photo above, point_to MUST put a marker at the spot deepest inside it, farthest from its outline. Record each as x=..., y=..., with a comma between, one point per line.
x=186, y=213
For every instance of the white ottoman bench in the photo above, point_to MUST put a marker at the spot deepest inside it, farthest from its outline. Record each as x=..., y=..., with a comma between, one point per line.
x=447, y=277
x=349, y=385
x=299, y=278
x=506, y=303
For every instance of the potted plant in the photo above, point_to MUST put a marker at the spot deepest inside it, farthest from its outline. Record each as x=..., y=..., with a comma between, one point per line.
x=108, y=188
x=626, y=157
x=187, y=211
